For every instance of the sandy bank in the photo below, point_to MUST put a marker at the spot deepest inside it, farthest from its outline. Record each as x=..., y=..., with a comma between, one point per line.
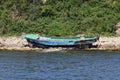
x=19, y=43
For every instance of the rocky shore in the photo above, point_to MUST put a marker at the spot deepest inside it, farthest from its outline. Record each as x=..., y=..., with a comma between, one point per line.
x=14, y=43
x=19, y=43
x=108, y=43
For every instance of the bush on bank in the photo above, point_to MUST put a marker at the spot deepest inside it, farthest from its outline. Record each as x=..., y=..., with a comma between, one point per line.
x=59, y=17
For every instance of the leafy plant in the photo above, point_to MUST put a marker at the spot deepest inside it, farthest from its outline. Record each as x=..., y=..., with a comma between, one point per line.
x=59, y=17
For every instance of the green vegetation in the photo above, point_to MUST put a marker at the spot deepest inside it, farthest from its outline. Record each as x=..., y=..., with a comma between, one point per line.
x=59, y=17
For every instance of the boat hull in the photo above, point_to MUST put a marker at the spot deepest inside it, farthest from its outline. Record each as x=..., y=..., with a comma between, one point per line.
x=45, y=38
x=46, y=44
x=41, y=43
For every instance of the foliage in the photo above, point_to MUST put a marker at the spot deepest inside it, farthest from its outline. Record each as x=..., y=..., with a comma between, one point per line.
x=59, y=17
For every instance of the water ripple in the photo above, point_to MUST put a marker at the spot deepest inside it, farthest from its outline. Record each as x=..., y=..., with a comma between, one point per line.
x=70, y=65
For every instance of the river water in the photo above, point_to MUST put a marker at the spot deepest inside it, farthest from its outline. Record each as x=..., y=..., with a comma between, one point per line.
x=60, y=65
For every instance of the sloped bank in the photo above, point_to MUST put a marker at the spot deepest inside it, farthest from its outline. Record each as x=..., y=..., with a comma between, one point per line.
x=19, y=43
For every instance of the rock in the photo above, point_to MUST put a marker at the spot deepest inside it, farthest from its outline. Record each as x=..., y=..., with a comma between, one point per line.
x=1, y=42
x=43, y=1
x=22, y=42
x=14, y=42
x=117, y=25
x=1, y=45
x=118, y=31
x=118, y=28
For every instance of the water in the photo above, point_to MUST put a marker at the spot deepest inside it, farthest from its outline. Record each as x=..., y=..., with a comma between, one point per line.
x=61, y=65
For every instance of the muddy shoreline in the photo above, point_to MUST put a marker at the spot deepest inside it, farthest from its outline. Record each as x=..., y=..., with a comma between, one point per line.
x=19, y=43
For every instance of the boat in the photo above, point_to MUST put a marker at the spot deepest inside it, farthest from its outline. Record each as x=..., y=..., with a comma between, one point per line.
x=45, y=41
x=49, y=43
x=68, y=43
x=36, y=36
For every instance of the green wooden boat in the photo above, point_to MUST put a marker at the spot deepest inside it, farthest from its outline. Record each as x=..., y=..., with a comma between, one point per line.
x=47, y=38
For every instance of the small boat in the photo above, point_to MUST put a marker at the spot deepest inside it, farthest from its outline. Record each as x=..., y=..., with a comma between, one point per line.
x=45, y=41
x=67, y=43
x=36, y=36
x=48, y=43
